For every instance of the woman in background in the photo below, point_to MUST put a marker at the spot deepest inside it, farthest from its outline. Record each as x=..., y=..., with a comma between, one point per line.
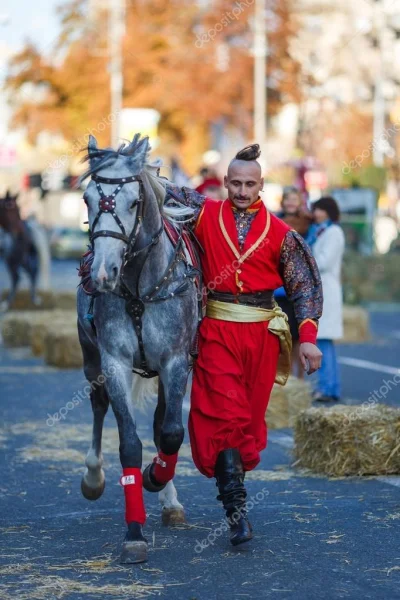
x=298, y=218
x=327, y=243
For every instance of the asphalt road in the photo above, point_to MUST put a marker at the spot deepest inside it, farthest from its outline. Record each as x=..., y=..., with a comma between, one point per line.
x=314, y=537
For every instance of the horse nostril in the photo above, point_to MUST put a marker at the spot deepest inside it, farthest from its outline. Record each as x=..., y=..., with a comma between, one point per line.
x=115, y=272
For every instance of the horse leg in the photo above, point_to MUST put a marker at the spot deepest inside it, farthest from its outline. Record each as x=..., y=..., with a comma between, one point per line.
x=172, y=512
x=13, y=270
x=169, y=433
x=93, y=481
x=119, y=385
x=33, y=272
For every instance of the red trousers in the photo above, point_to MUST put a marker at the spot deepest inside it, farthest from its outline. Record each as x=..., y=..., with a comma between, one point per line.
x=232, y=383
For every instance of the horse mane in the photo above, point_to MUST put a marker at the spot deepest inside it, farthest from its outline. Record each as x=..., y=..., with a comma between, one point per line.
x=100, y=158
x=173, y=210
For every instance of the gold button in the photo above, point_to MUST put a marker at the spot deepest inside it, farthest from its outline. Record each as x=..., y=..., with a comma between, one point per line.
x=239, y=271
x=240, y=283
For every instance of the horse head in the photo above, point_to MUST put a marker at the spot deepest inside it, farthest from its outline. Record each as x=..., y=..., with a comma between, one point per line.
x=113, y=198
x=10, y=218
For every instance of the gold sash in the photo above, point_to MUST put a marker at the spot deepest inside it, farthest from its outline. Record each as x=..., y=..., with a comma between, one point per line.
x=278, y=325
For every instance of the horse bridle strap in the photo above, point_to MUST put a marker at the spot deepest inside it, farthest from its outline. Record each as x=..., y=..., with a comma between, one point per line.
x=107, y=204
x=117, y=180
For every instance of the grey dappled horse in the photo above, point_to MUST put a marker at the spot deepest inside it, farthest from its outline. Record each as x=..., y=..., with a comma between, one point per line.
x=135, y=268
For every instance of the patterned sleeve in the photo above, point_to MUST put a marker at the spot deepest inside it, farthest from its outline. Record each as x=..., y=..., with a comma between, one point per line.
x=186, y=196
x=302, y=283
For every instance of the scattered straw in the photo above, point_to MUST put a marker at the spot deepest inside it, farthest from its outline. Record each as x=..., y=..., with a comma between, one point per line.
x=43, y=587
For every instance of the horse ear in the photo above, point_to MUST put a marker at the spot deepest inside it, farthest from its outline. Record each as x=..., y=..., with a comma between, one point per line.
x=8, y=195
x=92, y=145
x=93, y=149
x=138, y=160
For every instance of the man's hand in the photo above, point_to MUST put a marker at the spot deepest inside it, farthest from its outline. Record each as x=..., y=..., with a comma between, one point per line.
x=311, y=353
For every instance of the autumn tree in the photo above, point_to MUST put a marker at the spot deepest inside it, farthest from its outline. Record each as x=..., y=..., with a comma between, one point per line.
x=193, y=66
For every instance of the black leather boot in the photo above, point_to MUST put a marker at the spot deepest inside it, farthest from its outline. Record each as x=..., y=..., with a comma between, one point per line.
x=230, y=477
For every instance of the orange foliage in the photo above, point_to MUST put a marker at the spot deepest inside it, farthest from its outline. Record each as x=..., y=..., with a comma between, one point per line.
x=164, y=68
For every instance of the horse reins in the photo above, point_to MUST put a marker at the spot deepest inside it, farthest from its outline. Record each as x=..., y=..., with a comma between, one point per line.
x=135, y=304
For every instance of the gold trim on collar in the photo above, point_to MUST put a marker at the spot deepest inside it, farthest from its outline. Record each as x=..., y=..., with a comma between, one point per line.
x=243, y=257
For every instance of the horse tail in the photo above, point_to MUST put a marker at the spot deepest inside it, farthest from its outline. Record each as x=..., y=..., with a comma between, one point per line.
x=144, y=392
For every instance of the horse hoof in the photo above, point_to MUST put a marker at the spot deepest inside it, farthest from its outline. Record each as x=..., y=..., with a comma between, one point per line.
x=134, y=548
x=148, y=482
x=91, y=493
x=173, y=516
x=133, y=552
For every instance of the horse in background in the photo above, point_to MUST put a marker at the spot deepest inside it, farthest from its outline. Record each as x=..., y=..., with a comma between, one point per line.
x=20, y=247
x=141, y=316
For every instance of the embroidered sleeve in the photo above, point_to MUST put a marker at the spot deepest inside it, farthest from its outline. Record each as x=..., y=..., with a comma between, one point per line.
x=186, y=196
x=302, y=281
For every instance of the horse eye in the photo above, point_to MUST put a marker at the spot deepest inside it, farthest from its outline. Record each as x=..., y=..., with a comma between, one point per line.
x=85, y=200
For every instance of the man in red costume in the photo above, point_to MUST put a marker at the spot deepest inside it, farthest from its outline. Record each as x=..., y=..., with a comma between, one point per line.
x=244, y=339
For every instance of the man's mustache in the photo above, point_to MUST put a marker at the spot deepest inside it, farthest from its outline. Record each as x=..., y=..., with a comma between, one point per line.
x=242, y=198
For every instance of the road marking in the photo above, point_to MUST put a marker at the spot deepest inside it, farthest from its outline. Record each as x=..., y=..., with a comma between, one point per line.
x=27, y=370
x=393, y=480
x=367, y=364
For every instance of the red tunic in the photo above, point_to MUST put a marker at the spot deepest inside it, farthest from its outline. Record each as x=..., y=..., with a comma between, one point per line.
x=223, y=269
x=236, y=367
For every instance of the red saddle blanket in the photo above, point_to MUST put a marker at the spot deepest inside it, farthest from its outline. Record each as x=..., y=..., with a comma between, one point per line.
x=189, y=248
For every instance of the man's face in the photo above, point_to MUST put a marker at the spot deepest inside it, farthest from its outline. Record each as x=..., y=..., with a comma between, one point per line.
x=244, y=183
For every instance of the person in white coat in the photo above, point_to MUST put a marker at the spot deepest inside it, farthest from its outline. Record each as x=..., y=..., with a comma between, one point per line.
x=327, y=242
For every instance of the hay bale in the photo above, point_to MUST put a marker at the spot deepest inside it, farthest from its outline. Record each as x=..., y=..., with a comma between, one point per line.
x=349, y=440
x=286, y=402
x=17, y=327
x=57, y=320
x=23, y=301
x=25, y=328
x=355, y=325
x=62, y=348
x=65, y=300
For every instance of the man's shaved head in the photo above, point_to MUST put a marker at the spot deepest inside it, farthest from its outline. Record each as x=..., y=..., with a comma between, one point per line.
x=243, y=180
x=247, y=155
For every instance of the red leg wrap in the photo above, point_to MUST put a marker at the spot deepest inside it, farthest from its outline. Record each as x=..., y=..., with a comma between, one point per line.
x=164, y=466
x=134, y=505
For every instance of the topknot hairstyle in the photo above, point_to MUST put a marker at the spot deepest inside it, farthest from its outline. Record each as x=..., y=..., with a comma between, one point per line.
x=251, y=152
